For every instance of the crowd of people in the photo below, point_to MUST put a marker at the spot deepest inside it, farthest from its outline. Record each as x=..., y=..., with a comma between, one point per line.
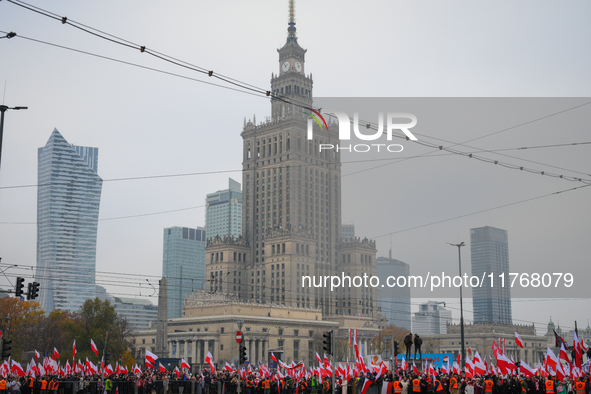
x=228, y=382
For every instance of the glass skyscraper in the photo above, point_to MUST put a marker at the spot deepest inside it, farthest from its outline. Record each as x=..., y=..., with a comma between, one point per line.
x=68, y=199
x=183, y=265
x=224, y=211
x=489, y=249
x=394, y=301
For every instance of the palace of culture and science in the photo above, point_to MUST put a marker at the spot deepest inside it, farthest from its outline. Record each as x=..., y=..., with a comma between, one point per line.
x=291, y=227
x=291, y=221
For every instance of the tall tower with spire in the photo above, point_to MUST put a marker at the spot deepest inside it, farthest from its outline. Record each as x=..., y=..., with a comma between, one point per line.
x=291, y=208
x=291, y=82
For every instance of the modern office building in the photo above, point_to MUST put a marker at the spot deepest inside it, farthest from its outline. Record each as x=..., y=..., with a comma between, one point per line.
x=489, y=250
x=394, y=301
x=183, y=264
x=348, y=232
x=224, y=212
x=139, y=313
x=431, y=319
x=68, y=199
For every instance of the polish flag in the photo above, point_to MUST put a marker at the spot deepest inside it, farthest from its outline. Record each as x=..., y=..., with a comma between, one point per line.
x=366, y=385
x=184, y=364
x=414, y=367
x=151, y=357
x=148, y=364
x=578, y=350
x=526, y=369
x=209, y=360
x=479, y=367
x=74, y=349
x=550, y=360
x=177, y=372
x=161, y=368
x=404, y=365
x=17, y=369
x=564, y=354
x=93, y=347
x=518, y=340
x=228, y=367
x=318, y=358
x=56, y=355
x=355, y=343
x=37, y=355
x=108, y=369
x=273, y=357
x=504, y=364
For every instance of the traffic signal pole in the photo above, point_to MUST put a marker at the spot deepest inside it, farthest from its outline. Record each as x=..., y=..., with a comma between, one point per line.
x=333, y=360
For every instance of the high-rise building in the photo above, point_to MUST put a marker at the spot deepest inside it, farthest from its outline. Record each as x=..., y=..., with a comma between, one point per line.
x=224, y=212
x=291, y=211
x=431, y=319
x=489, y=249
x=348, y=232
x=139, y=313
x=68, y=199
x=183, y=265
x=394, y=301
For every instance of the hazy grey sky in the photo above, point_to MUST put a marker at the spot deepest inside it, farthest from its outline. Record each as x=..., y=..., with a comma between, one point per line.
x=147, y=123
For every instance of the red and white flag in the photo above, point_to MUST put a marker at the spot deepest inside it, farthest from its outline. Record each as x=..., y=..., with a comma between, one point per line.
x=151, y=357
x=564, y=355
x=184, y=364
x=404, y=365
x=518, y=340
x=526, y=369
x=414, y=367
x=36, y=355
x=74, y=349
x=366, y=385
x=550, y=360
x=55, y=355
x=209, y=360
x=273, y=357
x=93, y=347
x=578, y=350
x=161, y=368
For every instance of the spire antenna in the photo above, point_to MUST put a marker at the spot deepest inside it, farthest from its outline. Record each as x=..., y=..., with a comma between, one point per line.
x=291, y=29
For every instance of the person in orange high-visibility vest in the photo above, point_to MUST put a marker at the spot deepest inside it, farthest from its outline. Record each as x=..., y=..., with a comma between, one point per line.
x=453, y=385
x=550, y=386
x=55, y=386
x=438, y=386
x=2, y=386
x=580, y=386
x=397, y=387
x=326, y=386
x=43, y=386
x=266, y=386
x=416, y=385
x=488, y=386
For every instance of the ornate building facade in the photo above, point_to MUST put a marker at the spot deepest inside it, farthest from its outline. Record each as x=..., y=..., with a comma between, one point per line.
x=291, y=213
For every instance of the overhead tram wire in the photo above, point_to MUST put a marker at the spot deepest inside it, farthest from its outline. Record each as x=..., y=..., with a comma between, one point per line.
x=380, y=236
x=293, y=300
x=440, y=147
x=477, y=212
x=426, y=155
x=243, y=85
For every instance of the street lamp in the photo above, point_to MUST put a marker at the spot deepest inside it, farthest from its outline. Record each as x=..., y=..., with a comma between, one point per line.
x=3, y=109
x=463, y=362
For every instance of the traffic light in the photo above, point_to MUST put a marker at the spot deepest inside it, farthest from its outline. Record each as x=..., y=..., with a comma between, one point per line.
x=34, y=293
x=395, y=349
x=29, y=289
x=327, y=343
x=20, y=284
x=107, y=355
x=243, y=357
x=6, y=348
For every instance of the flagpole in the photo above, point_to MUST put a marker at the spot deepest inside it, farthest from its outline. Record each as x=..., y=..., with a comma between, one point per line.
x=332, y=345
